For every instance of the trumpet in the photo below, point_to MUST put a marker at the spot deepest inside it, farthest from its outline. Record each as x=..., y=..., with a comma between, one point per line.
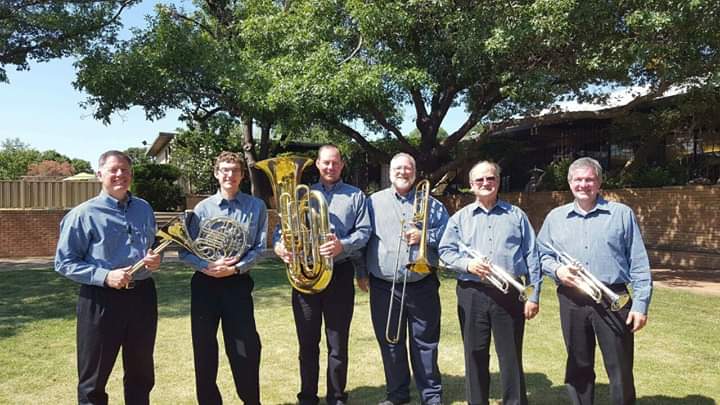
x=499, y=277
x=589, y=284
x=420, y=265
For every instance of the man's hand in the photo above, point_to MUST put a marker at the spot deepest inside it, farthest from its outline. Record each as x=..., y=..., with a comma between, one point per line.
x=332, y=247
x=412, y=236
x=118, y=278
x=363, y=283
x=567, y=274
x=479, y=267
x=283, y=253
x=637, y=320
x=531, y=309
x=222, y=267
x=152, y=260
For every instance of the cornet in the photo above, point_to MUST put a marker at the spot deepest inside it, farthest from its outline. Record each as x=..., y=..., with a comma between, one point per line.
x=499, y=277
x=589, y=284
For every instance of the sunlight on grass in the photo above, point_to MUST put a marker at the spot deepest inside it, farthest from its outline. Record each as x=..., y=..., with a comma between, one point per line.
x=677, y=360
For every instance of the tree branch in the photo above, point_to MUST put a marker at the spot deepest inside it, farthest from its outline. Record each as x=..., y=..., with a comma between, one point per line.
x=382, y=120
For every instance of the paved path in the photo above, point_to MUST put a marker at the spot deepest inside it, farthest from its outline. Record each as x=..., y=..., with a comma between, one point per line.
x=697, y=281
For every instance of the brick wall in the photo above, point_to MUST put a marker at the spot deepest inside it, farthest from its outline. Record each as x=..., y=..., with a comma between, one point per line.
x=680, y=225
x=30, y=232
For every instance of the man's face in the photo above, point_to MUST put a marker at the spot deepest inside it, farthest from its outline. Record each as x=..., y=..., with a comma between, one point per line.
x=402, y=174
x=330, y=165
x=585, y=184
x=484, y=182
x=229, y=176
x=115, y=176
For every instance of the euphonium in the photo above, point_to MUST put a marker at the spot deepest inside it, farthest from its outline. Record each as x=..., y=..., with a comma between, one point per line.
x=304, y=222
x=589, y=284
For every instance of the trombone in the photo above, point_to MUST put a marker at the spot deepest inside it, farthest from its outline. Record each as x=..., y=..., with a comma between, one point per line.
x=589, y=284
x=420, y=265
x=499, y=277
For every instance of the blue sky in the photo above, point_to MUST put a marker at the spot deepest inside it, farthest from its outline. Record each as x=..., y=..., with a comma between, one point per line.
x=42, y=109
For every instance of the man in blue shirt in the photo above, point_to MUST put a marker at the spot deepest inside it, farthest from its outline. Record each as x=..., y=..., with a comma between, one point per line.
x=604, y=237
x=350, y=225
x=222, y=289
x=501, y=233
x=100, y=240
x=394, y=243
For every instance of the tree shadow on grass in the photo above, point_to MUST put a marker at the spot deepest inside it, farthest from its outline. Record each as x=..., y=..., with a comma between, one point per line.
x=39, y=293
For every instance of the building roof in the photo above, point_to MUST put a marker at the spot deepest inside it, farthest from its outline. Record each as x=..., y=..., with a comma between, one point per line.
x=159, y=143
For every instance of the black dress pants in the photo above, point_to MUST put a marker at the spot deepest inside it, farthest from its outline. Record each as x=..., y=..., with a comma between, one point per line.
x=228, y=300
x=483, y=309
x=335, y=305
x=420, y=326
x=108, y=319
x=583, y=320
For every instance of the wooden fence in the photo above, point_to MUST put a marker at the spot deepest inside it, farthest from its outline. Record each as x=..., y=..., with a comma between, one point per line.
x=46, y=193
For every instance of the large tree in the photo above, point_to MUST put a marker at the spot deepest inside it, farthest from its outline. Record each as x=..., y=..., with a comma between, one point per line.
x=43, y=30
x=337, y=63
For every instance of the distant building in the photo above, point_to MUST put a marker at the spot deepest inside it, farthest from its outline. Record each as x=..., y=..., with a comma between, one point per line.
x=161, y=148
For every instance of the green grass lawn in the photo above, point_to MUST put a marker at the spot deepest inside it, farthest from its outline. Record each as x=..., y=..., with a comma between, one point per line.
x=677, y=356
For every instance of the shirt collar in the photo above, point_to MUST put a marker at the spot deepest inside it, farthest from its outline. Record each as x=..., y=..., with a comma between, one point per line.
x=410, y=196
x=499, y=205
x=218, y=198
x=113, y=202
x=331, y=188
x=601, y=204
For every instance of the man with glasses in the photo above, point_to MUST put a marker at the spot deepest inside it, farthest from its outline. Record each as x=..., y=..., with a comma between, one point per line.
x=501, y=235
x=605, y=238
x=394, y=244
x=222, y=290
x=100, y=240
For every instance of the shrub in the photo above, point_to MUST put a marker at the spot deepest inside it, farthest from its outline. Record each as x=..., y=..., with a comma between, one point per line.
x=157, y=183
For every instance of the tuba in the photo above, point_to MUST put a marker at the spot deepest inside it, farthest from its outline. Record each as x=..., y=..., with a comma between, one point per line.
x=304, y=222
x=421, y=264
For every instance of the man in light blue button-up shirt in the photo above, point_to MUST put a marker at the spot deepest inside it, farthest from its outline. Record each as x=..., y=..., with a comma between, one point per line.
x=501, y=236
x=221, y=290
x=394, y=244
x=350, y=226
x=604, y=238
x=100, y=240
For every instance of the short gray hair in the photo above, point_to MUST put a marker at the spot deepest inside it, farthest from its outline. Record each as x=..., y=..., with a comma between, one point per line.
x=403, y=155
x=117, y=154
x=585, y=162
x=498, y=170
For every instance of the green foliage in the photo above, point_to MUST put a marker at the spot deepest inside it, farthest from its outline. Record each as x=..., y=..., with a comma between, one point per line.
x=81, y=166
x=43, y=30
x=15, y=158
x=353, y=64
x=648, y=177
x=555, y=176
x=196, y=149
x=138, y=155
x=157, y=183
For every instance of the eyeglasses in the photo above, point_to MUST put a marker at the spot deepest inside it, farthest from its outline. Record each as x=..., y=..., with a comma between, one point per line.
x=230, y=170
x=480, y=180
